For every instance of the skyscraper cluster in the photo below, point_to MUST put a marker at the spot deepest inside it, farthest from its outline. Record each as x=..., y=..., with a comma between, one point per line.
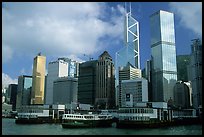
x=106, y=85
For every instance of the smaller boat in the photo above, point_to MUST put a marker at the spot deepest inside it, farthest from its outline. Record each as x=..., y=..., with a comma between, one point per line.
x=28, y=119
x=86, y=120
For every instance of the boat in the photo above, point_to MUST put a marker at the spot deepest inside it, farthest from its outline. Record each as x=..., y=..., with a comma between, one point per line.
x=28, y=119
x=144, y=115
x=86, y=120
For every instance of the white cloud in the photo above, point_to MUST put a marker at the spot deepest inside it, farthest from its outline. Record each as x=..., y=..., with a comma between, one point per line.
x=190, y=15
x=75, y=58
x=59, y=29
x=7, y=53
x=6, y=80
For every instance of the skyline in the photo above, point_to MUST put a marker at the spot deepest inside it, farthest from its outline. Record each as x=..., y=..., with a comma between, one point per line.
x=53, y=31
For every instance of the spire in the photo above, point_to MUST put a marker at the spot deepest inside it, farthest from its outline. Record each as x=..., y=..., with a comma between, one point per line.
x=125, y=8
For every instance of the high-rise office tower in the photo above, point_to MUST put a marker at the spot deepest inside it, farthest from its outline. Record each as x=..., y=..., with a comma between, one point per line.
x=163, y=50
x=65, y=90
x=148, y=76
x=56, y=69
x=24, y=91
x=195, y=75
x=13, y=90
x=130, y=52
x=87, y=82
x=105, y=82
x=182, y=67
x=37, y=95
x=73, y=67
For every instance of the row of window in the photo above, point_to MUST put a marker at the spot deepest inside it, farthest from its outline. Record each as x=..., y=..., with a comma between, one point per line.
x=33, y=111
x=138, y=110
x=71, y=116
x=143, y=118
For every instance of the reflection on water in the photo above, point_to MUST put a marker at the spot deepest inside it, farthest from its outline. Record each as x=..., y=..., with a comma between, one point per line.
x=10, y=128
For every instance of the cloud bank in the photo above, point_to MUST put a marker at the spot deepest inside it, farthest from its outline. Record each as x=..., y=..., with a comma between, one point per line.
x=59, y=29
x=190, y=15
x=6, y=80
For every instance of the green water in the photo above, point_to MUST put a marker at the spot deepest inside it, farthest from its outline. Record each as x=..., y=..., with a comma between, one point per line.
x=10, y=128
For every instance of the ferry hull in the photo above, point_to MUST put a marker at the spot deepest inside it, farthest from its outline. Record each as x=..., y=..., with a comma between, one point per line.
x=29, y=121
x=86, y=123
x=156, y=123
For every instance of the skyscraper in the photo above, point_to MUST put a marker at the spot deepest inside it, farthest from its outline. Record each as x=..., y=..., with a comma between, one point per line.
x=73, y=67
x=37, y=95
x=182, y=65
x=87, y=82
x=130, y=52
x=56, y=69
x=195, y=75
x=105, y=82
x=65, y=90
x=13, y=90
x=24, y=91
x=163, y=51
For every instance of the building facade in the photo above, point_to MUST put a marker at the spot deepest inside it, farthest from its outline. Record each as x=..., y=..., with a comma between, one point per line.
x=65, y=90
x=38, y=84
x=56, y=69
x=87, y=82
x=130, y=52
x=182, y=67
x=24, y=91
x=195, y=72
x=105, y=82
x=163, y=51
x=148, y=74
x=127, y=72
x=13, y=90
x=72, y=68
x=183, y=95
x=134, y=91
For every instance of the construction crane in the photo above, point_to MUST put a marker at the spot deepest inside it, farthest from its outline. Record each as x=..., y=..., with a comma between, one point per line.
x=90, y=58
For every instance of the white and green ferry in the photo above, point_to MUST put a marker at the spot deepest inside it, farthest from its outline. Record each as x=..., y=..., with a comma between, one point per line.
x=86, y=120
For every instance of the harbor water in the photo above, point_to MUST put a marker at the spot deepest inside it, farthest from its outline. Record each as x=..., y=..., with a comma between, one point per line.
x=9, y=127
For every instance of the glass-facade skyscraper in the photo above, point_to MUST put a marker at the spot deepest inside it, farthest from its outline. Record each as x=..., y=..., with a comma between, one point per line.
x=130, y=52
x=24, y=91
x=163, y=51
x=195, y=72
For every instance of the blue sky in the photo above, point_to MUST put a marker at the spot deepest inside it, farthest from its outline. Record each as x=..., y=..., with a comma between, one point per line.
x=74, y=29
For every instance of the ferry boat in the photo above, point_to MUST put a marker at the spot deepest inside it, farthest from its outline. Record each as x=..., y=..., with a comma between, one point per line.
x=144, y=115
x=28, y=119
x=86, y=120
